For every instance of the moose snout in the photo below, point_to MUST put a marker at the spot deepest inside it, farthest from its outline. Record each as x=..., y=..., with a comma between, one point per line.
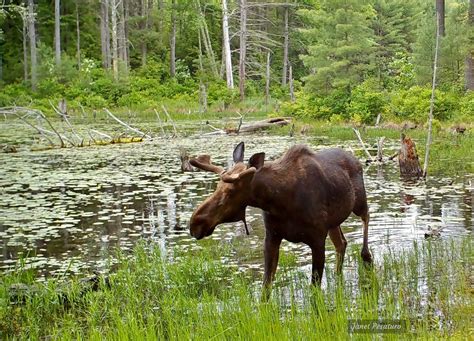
x=200, y=228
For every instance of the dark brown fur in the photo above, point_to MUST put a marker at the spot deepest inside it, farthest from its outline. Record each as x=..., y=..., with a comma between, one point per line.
x=304, y=197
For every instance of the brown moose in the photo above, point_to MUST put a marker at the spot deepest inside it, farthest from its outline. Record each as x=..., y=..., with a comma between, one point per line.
x=303, y=195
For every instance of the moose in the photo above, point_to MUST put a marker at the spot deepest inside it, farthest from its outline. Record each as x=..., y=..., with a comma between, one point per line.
x=304, y=197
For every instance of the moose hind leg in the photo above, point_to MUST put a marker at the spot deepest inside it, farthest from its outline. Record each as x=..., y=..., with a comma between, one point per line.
x=365, y=253
x=340, y=244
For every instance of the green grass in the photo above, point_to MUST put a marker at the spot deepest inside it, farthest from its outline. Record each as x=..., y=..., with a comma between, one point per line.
x=194, y=296
x=450, y=154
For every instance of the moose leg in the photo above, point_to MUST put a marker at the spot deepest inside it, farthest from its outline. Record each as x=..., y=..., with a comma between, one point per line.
x=318, y=251
x=365, y=253
x=271, y=253
x=340, y=244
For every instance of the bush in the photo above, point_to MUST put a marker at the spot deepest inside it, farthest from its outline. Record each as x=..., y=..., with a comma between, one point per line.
x=217, y=91
x=14, y=94
x=414, y=104
x=110, y=90
x=367, y=101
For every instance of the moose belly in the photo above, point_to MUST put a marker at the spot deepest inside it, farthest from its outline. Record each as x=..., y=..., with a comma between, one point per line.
x=298, y=229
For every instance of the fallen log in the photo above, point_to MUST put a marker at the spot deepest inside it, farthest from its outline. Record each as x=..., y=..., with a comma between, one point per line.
x=265, y=124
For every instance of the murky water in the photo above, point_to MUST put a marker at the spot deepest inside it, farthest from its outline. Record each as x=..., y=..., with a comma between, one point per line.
x=68, y=211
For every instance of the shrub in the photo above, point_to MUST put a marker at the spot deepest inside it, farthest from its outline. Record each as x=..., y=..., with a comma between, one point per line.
x=367, y=101
x=217, y=91
x=414, y=104
x=14, y=94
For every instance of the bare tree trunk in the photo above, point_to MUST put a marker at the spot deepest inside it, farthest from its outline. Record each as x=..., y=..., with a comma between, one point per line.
x=32, y=34
x=126, y=15
x=113, y=13
x=57, y=32
x=25, y=46
x=430, y=117
x=145, y=18
x=470, y=55
x=243, y=47
x=207, y=40
x=290, y=77
x=173, y=39
x=440, y=6
x=267, y=80
x=78, y=36
x=227, y=52
x=202, y=86
x=160, y=21
x=285, y=49
x=121, y=37
x=104, y=33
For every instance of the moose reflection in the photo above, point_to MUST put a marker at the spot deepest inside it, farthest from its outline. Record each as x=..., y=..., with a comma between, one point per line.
x=304, y=197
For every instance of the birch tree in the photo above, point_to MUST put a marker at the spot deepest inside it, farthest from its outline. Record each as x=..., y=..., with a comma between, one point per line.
x=243, y=47
x=113, y=13
x=173, y=39
x=469, y=70
x=285, y=48
x=78, y=37
x=105, y=33
x=226, y=47
x=57, y=32
x=33, y=53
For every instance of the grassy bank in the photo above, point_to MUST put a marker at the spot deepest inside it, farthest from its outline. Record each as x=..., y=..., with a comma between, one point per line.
x=194, y=296
x=450, y=153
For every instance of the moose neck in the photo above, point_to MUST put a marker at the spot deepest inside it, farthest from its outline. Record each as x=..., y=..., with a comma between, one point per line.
x=263, y=187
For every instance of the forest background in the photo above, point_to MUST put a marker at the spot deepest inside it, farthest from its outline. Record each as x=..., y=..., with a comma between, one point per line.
x=331, y=60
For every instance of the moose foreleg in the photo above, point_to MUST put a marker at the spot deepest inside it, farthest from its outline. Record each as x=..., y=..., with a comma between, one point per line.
x=319, y=257
x=271, y=253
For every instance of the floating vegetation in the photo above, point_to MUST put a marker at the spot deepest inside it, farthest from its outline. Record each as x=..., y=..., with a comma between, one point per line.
x=62, y=205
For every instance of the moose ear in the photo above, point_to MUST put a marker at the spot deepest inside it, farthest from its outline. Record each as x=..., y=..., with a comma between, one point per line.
x=257, y=160
x=239, y=153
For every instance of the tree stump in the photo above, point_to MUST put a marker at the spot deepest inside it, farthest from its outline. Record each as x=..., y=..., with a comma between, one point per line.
x=184, y=157
x=408, y=158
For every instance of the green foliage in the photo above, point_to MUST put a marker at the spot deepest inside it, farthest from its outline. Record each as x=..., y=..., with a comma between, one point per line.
x=218, y=91
x=367, y=101
x=401, y=72
x=414, y=104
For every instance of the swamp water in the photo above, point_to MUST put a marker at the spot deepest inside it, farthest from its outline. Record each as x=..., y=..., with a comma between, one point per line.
x=67, y=211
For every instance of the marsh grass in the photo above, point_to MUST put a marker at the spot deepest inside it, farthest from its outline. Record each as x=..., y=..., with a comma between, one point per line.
x=450, y=153
x=192, y=295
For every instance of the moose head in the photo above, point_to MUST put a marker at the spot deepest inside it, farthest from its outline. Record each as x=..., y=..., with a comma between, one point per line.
x=233, y=193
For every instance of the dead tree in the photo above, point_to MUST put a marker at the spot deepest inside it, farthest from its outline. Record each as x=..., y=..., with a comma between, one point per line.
x=430, y=117
x=408, y=158
x=32, y=35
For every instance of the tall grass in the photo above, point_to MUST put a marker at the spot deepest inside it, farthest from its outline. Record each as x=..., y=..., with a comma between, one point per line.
x=193, y=296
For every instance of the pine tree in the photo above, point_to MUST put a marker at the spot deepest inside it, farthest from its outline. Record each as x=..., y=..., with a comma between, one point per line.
x=342, y=44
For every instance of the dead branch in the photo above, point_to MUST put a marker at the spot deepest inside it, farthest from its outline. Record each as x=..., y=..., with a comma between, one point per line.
x=125, y=124
x=160, y=122
x=363, y=144
x=379, y=148
x=39, y=130
x=102, y=134
x=170, y=119
x=65, y=118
